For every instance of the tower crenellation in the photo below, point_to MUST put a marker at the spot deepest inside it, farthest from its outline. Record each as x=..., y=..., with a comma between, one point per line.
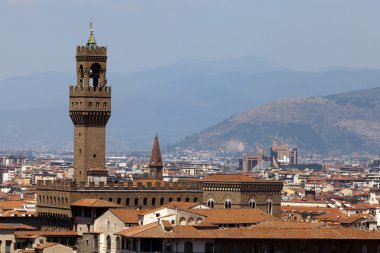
x=90, y=110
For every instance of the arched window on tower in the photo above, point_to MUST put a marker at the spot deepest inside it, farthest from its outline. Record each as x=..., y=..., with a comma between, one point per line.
x=95, y=74
x=81, y=75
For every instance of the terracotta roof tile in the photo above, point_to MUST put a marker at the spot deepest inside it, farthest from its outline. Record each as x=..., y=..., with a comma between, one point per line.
x=174, y=204
x=234, y=216
x=128, y=216
x=255, y=232
x=94, y=203
x=45, y=245
x=11, y=204
x=34, y=234
x=308, y=209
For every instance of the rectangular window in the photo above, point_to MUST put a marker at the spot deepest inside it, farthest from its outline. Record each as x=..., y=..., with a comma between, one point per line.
x=8, y=245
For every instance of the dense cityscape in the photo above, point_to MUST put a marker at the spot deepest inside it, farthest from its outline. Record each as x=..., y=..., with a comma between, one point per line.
x=223, y=189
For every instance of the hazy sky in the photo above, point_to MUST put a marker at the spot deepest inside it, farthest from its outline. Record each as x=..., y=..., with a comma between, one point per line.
x=41, y=35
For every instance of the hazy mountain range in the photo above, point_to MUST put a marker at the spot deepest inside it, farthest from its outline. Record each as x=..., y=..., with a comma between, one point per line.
x=175, y=100
x=335, y=124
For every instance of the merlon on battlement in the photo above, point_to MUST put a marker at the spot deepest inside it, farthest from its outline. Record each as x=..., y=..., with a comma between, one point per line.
x=84, y=50
x=90, y=91
x=111, y=186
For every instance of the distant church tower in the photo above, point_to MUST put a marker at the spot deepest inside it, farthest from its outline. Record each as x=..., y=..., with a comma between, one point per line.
x=155, y=163
x=90, y=109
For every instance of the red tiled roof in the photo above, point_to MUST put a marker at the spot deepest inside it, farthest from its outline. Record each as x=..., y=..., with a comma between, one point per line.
x=128, y=216
x=94, y=203
x=234, y=216
x=288, y=231
x=45, y=245
x=11, y=204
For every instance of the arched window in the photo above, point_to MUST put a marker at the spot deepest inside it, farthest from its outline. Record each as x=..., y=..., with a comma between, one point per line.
x=252, y=203
x=227, y=204
x=178, y=199
x=136, y=201
x=96, y=243
x=110, y=199
x=195, y=200
x=127, y=200
x=170, y=199
x=95, y=74
x=191, y=221
x=118, y=200
x=118, y=245
x=182, y=221
x=81, y=75
x=187, y=199
x=161, y=201
x=209, y=247
x=269, y=206
x=188, y=247
x=210, y=202
x=145, y=201
x=108, y=244
x=153, y=201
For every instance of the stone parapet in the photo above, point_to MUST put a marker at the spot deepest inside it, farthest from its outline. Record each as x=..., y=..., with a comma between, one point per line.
x=262, y=185
x=121, y=186
x=80, y=91
x=84, y=51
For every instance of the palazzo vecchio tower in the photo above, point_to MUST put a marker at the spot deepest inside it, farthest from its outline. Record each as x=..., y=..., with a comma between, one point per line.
x=90, y=110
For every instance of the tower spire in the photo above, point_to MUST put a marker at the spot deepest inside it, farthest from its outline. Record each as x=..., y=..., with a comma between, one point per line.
x=91, y=43
x=155, y=157
x=155, y=163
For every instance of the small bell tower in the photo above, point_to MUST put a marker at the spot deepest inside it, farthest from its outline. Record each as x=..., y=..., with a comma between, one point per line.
x=90, y=110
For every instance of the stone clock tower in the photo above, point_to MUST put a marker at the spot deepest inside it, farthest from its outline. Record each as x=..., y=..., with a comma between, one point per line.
x=90, y=109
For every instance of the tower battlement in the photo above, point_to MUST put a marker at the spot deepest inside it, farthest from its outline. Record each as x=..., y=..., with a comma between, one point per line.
x=122, y=186
x=80, y=91
x=85, y=51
